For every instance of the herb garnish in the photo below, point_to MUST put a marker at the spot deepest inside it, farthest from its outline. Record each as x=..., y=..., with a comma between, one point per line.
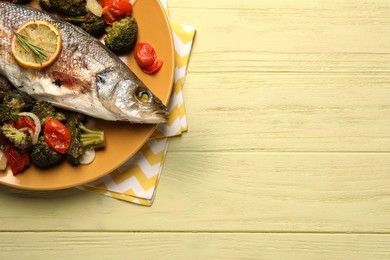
x=37, y=51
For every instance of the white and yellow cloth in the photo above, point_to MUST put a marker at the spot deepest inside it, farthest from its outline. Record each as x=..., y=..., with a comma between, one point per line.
x=137, y=180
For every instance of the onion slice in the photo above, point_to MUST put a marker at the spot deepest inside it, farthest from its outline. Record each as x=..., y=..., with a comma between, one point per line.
x=27, y=129
x=94, y=7
x=88, y=156
x=37, y=123
x=3, y=161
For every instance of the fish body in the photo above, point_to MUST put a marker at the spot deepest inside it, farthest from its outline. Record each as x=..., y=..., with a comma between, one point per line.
x=86, y=77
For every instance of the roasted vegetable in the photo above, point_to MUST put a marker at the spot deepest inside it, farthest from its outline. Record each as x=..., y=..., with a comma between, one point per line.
x=91, y=138
x=69, y=7
x=17, y=101
x=43, y=156
x=44, y=111
x=17, y=160
x=21, y=140
x=4, y=114
x=82, y=138
x=90, y=23
x=76, y=149
x=122, y=35
x=114, y=10
x=46, y=4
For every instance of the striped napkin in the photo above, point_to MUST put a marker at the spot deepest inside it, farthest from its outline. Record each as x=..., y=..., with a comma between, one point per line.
x=137, y=180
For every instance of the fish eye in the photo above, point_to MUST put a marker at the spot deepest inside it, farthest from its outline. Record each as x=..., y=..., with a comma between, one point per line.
x=143, y=95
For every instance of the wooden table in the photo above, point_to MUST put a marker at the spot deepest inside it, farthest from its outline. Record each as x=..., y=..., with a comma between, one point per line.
x=287, y=154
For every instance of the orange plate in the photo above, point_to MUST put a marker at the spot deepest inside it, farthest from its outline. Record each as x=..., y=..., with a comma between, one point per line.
x=123, y=140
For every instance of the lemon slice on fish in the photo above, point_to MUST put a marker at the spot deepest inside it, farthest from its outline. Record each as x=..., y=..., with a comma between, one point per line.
x=36, y=44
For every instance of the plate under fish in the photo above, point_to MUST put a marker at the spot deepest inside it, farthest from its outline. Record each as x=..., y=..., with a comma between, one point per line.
x=123, y=139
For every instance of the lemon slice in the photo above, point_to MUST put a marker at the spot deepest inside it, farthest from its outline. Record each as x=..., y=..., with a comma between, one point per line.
x=36, y=35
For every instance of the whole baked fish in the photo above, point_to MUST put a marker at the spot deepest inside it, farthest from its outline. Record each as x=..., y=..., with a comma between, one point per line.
x=86, y=77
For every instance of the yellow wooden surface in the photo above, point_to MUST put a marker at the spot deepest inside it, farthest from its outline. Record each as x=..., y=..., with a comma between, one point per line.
x=287, y=154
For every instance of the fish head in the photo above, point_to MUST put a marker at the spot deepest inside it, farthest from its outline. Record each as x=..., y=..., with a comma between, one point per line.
x=130, y=99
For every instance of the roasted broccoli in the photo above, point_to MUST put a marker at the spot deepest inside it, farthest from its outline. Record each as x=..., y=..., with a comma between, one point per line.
x=4, y=114
x=122, y=35
x=5, y=86
x=76, y=149
x=21, y=140
x=82, y=138
x=17, y=101
x=91, y=138
x=44, y=111
x=46, y=4
x=69, y=7
x=43, y=156
x=90, y=23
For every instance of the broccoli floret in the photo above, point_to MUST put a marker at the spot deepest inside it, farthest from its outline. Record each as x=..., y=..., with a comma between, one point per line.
x=122, y=35
x=90, y=23
x=69, y=7
x=17, y=101
x=91, y=138
x=82, y=138
x=76, y=149
x=43, y=156
x=21, y=140
x=44, y=111
x=46, y=4
x=4, y=114
x=93, y=25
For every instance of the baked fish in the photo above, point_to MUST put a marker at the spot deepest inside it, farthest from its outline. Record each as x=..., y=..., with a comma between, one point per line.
x=86, y=77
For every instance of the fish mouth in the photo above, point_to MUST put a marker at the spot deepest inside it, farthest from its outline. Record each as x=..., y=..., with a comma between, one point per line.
x=156, y=114
x=161, y=116
x=150, y=108
x=147, y=117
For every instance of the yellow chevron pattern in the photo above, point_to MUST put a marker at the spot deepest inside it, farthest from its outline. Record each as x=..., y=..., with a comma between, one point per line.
x=137, y=180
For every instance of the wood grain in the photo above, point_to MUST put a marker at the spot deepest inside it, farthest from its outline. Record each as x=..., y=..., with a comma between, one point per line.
x=194, y=246
x=287, y=154
x=254, y=192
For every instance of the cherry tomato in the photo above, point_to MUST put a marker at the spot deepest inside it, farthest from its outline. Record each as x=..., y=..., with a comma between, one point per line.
x=18, y=160
x=146, y=58
x=114, y=10
x=12, y=123
x=145, y=55
x=25, y=121
x=57, y=136
x=155, y=67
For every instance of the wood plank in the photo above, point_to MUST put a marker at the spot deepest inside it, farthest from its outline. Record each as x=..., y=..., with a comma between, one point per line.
x=192, y=246
x=288, y=76
x=283, y=192
x=287, y=113
x=331, y=25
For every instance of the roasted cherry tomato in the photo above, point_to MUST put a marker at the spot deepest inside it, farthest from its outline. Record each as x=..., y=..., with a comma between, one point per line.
x=57, y=136
x=155, y=67
x=145, y=55
x=25, y=121
x=18, y=160
x=146, y=58
x=114, y=10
